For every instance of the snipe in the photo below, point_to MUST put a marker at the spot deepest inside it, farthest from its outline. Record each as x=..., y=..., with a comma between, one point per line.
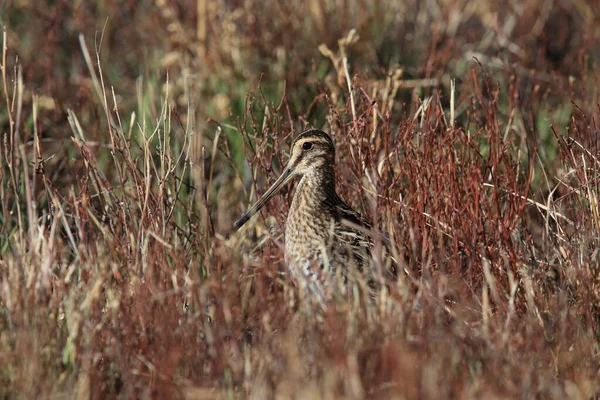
x=323, y=235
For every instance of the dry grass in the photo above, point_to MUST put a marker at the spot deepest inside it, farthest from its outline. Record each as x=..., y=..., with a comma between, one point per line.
x=120, y=275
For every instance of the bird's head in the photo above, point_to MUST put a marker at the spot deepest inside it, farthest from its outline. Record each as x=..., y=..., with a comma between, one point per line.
x=312, y=151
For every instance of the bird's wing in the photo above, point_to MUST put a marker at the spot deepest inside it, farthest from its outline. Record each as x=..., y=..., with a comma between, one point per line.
x=351, y=231
x=356, y=233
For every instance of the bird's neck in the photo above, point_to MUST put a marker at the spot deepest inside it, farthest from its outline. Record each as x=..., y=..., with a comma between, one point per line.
x=314, y=189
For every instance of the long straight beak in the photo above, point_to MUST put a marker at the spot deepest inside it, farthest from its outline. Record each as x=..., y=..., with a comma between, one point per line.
x=282, y=180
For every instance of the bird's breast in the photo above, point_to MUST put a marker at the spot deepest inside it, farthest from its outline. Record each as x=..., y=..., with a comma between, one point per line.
x=307, y=236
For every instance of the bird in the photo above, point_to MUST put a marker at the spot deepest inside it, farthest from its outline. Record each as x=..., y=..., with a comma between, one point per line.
x=325, y=239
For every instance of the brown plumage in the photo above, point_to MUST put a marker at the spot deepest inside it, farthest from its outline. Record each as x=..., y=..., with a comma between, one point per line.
x=323, y=235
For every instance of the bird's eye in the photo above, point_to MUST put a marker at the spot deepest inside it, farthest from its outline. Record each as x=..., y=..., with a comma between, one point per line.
x=306, y=146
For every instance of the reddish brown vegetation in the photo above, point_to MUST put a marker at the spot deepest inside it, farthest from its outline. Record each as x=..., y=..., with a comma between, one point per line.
x=120, y=275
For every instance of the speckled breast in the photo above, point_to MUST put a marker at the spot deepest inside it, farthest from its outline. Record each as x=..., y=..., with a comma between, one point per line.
x=308, y=244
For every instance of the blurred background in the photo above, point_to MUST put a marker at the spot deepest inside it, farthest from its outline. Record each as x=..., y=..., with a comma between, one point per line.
x=224, y=61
